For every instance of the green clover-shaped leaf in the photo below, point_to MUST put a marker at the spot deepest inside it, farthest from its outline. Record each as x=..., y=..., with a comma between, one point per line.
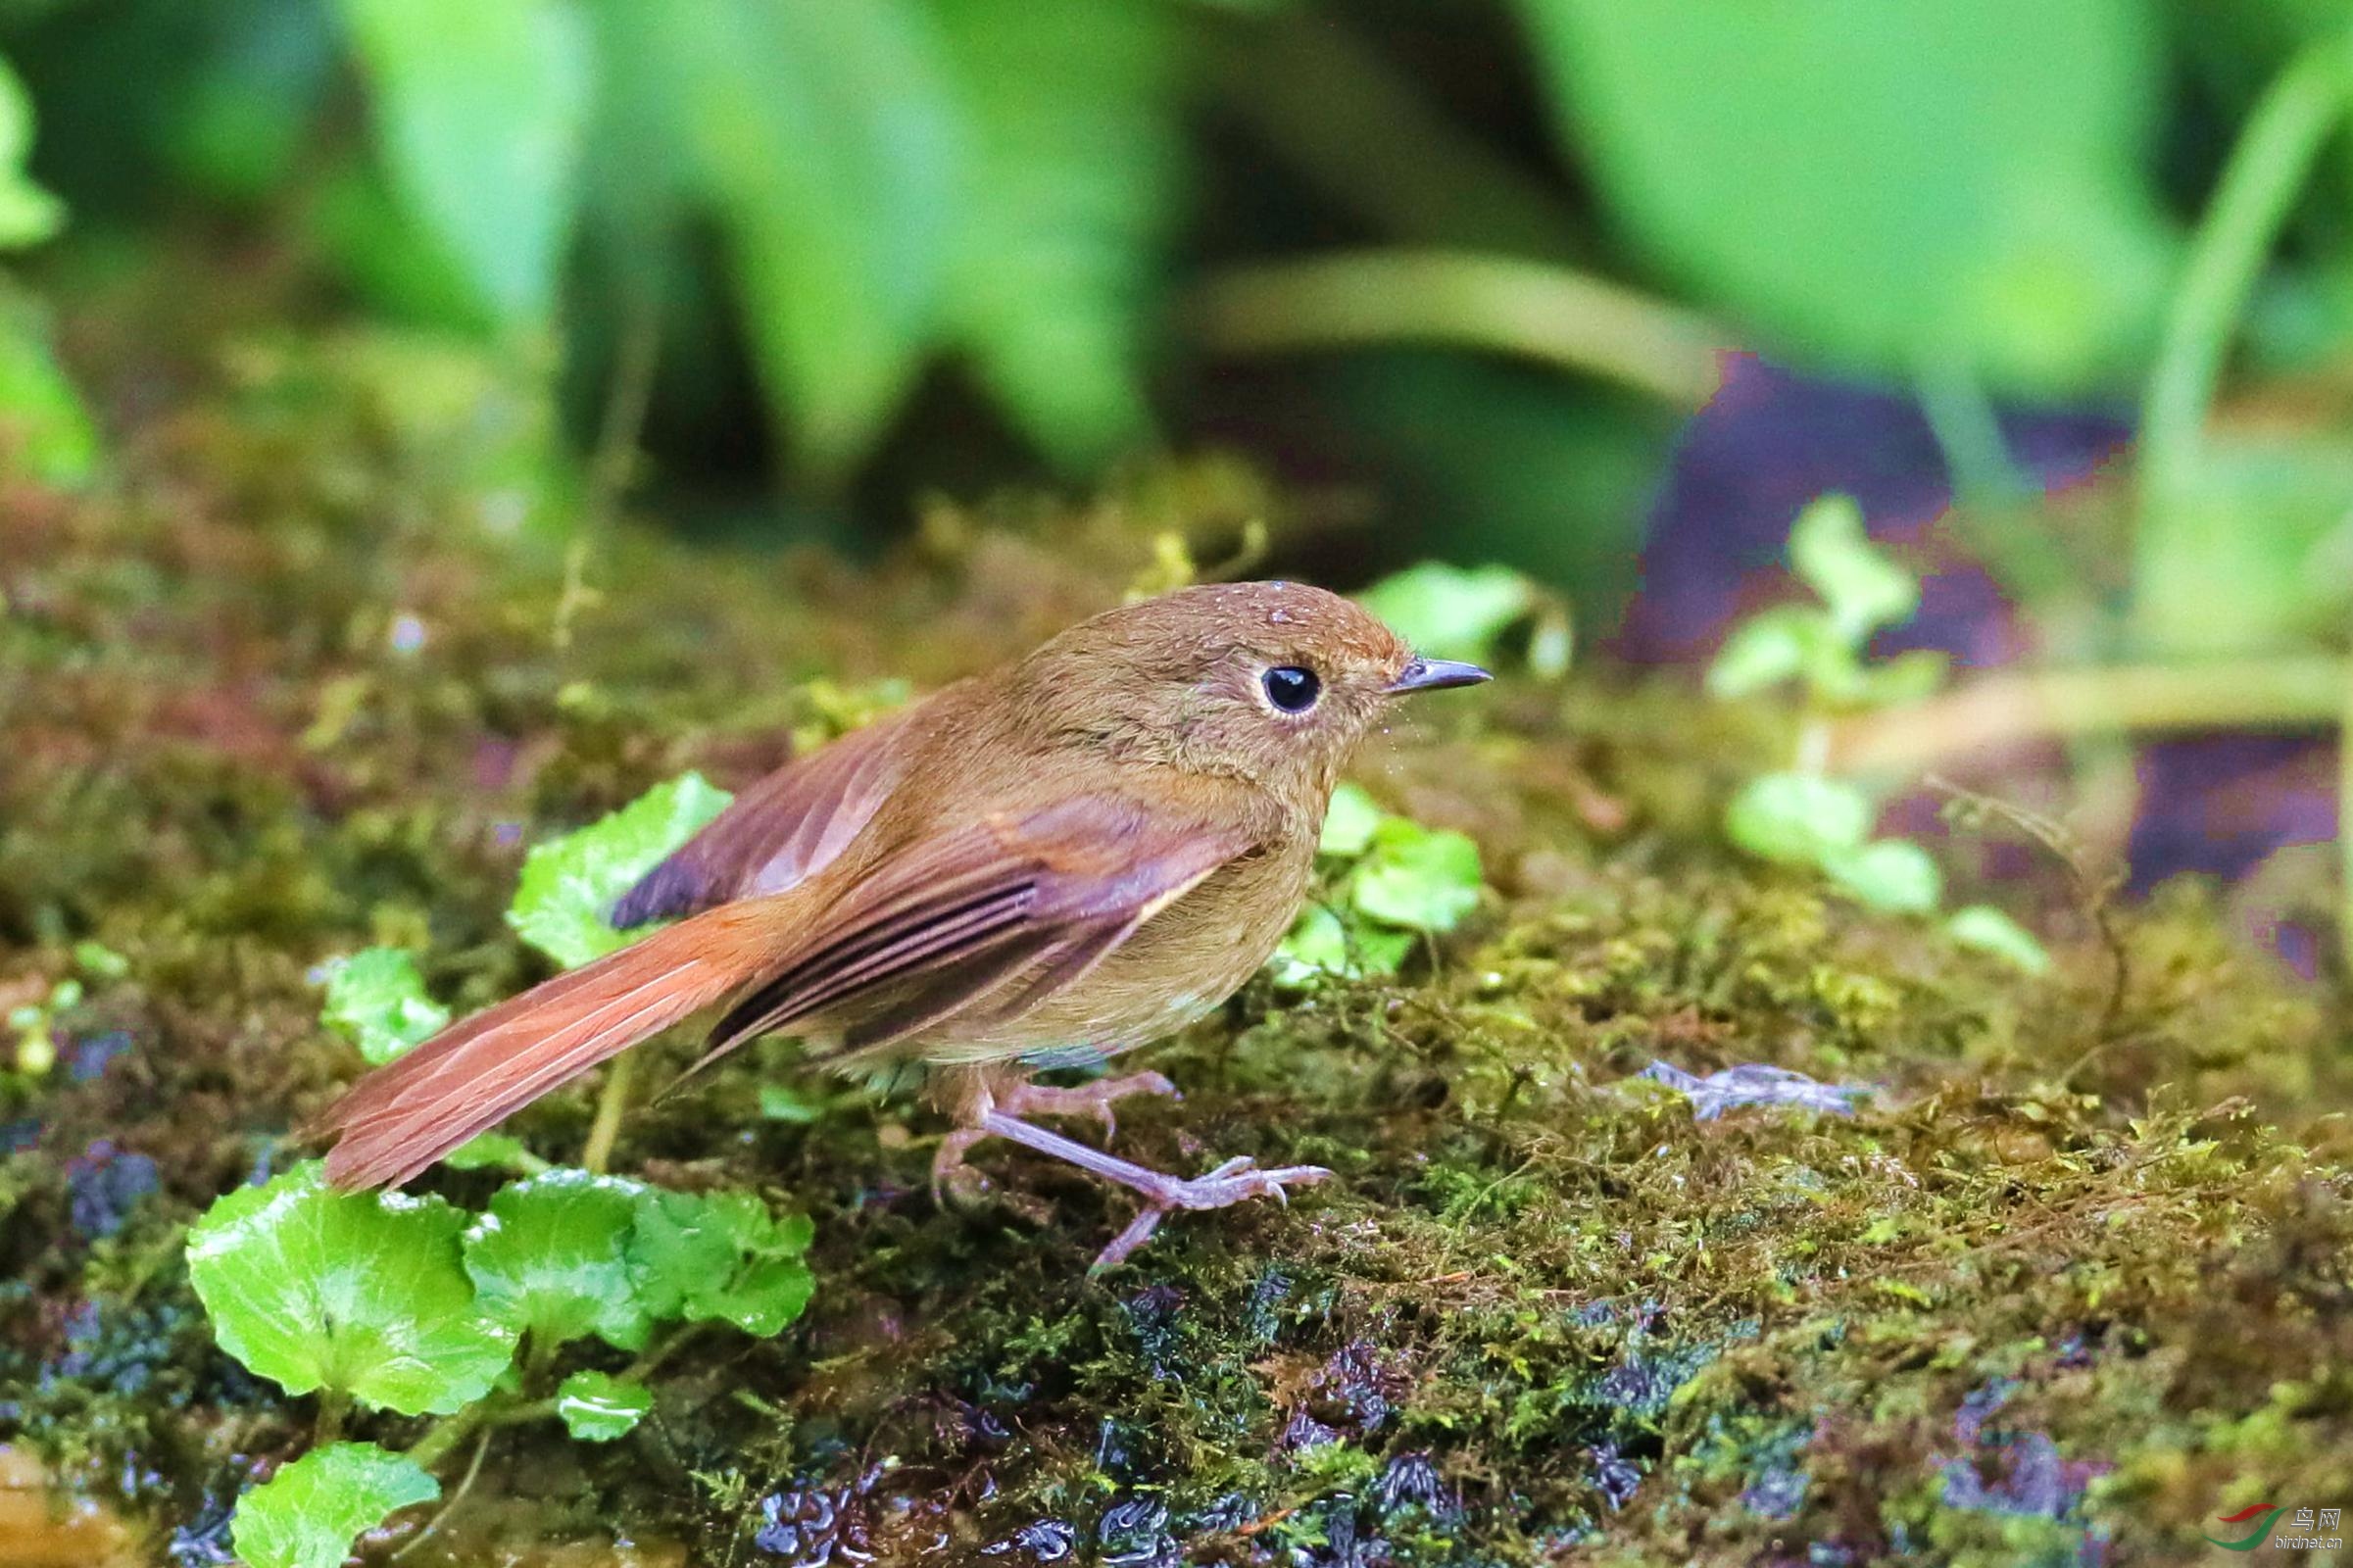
x=1798, y=819
x=1348, y=822
x=1321, y=942
x=1424, y=879
x=719, y=1258
x=495, y=1152
x=1451, y=611
x=1774, y=645
x=1891, y=874
x=1987, y=929
x=1862, y=587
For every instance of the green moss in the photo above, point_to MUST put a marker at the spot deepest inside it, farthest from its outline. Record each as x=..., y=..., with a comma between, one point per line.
x=2064, y=1279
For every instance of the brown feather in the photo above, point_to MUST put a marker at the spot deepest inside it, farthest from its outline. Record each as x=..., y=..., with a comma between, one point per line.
x=780, y=831
x=930, y=933
x=399, y=1119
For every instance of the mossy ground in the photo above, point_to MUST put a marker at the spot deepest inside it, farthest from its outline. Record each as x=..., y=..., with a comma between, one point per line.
x=2073, y=1281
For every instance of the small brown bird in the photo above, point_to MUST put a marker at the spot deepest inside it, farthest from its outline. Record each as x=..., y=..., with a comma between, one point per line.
x=1046, y=866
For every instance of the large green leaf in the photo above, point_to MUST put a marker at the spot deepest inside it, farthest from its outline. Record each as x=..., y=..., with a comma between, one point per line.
x=825, y=135
x=359, y=1293
x=550, y=1259
x=311, y=1512
x=1421, y=878
x=1074, y=176
x=1882, y=182
x=1798, y=819
x=1348, y=822
x=1320, y=943
x=1451, y=611
x=480, y=110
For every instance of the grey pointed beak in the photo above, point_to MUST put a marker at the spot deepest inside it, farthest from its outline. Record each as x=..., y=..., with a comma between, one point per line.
x=1435, y=675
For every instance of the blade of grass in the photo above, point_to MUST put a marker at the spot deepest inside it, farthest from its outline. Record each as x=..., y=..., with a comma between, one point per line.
x=2277, y=694
x=1533, y=310
x=2266, y=169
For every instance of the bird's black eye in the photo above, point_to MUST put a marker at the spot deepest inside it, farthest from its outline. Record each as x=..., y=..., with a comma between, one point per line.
x=1291, y=689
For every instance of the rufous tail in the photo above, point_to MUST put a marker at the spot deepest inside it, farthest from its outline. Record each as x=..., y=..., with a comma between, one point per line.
x=399, y=1118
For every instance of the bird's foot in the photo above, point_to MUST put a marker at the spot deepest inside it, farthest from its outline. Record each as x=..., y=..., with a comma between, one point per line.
x=1233, y=1182
x=1163, y=1195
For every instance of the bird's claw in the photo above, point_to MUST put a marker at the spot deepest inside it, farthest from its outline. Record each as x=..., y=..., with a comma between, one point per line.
x=1233, y=1182
x=949, y=1171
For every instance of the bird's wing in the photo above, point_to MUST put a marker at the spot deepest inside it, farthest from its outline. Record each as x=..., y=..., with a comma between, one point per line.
x=780, y=831
x=983, y=922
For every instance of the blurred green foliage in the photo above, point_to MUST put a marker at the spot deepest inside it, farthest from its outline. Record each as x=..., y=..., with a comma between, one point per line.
x=1803, y=817
x=943, y=240
x=1891, y=183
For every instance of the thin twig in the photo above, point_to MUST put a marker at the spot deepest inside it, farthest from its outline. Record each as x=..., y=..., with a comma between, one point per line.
x=2096, y=890
x=441, y=1515
x=615, y=461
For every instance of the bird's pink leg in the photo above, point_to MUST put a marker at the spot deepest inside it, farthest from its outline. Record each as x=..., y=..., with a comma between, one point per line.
x=995, y=1113
x=1163, y=1195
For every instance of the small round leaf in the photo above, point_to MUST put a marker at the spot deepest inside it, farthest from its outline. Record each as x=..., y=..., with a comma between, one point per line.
x=312, y=1511
x=1891, y=874
x=1987, y=929
x=1798, y=819
x=597, y=1407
